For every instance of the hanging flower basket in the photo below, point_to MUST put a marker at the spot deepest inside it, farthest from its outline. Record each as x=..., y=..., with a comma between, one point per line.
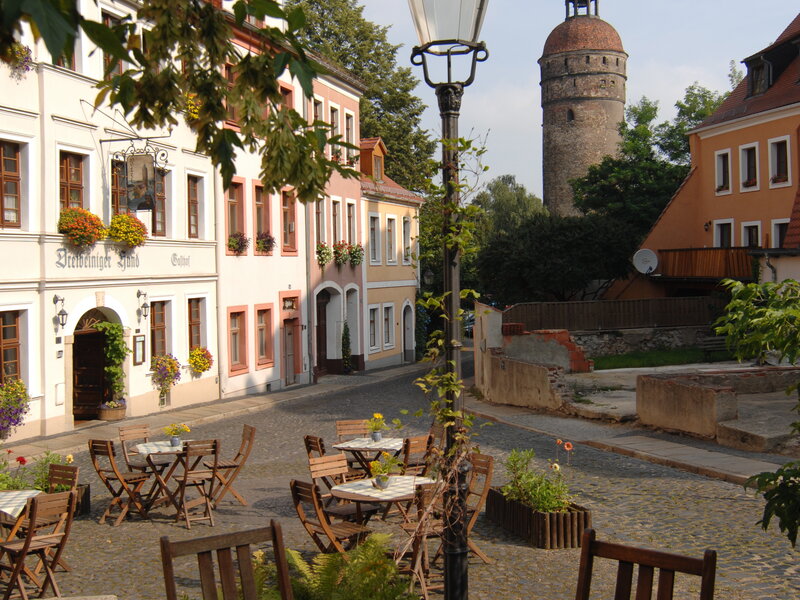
x=128, y=230
x=21, y=61
x=341, y=253
x=265, y=242
x=14, y=405
x=238, y=243
x=356, y=253
x=166, y=372
x=81, y=227
x=200, y=360
x=324, y=254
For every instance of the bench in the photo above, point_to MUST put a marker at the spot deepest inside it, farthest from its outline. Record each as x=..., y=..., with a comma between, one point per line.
x=712, y=343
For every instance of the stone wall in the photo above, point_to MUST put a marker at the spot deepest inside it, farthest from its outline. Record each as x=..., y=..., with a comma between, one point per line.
x=622, y=341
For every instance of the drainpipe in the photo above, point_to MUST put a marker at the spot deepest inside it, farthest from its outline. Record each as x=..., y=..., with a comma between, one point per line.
x=309, y=300
x=771, y=268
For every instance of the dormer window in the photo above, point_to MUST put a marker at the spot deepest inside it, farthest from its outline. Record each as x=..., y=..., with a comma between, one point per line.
x=377, y=168
x=758, y=74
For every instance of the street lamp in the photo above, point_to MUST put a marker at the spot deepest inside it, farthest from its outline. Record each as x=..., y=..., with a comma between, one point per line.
x=450, y=28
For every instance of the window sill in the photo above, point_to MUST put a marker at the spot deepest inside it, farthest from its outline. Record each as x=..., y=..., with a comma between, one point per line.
x=265, y=365
x=238, y=370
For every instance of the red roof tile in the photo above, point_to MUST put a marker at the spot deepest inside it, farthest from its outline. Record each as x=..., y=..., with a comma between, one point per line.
x=584, y=32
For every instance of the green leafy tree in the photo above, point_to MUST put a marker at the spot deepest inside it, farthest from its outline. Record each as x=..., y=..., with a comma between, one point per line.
x=337, y=30
x=673, y=137
x=188, y=43
x=506, y=204
x=635, y=186
x=552, y=257
x=764, y=318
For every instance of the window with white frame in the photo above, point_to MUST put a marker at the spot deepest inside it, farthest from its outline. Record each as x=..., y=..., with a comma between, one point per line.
x=751, y=234
x=388, y=326
x=374, y=341
x=779, y=229
x=159, y=327
x=196, y=322
x=72, y=178
x=10, y=345
x=391, y=237
x=351, y=223
x=158, y=225
x=406, y=241
x=194, y=195
x=349, y=135
x=336, y=211
x=779, y=162
x=11, y=184
x=374, y=239
x=723, y=233
x=723, y=171
x=748, y=167
x=319, y=220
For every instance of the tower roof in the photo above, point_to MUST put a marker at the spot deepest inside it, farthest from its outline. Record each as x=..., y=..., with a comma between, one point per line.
x=583, y=32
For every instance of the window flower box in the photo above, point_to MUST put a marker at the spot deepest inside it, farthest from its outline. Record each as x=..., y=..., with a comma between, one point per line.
x=723, y=188
x=749, y=183
x=238, y=243
x=779, y=179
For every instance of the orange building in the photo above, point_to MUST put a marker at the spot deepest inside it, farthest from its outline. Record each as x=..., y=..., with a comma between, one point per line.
x=741, y=189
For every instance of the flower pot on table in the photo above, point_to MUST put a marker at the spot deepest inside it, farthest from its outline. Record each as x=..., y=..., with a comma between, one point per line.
x=549, y=530
x=377, y=436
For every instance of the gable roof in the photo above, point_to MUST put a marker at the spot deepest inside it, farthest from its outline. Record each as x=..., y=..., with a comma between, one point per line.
x=784, y=91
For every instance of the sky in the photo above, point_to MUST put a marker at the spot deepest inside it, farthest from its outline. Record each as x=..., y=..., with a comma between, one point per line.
x=671, y=44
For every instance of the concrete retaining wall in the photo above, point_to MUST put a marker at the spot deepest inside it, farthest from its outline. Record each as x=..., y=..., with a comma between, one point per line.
x=622, y=341
x=521, y=383
x=696, y=402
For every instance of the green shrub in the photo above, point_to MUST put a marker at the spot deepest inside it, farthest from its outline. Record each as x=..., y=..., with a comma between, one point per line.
x=543, y=491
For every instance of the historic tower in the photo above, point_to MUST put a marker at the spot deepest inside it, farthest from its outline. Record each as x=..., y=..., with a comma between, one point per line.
x=583, y=99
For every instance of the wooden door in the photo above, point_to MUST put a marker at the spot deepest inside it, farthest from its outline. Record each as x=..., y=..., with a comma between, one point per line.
x=322, y=331
x=288, y=352
x=88, y=374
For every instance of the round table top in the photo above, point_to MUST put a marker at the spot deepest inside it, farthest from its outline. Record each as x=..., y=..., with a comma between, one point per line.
x=401, y=488
x=366, y=444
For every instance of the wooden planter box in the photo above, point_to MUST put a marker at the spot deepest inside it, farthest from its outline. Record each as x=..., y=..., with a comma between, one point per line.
x=543, y=530
x=111, y=414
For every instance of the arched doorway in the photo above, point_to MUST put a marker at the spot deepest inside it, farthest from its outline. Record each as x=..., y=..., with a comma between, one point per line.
x=89, y=387
x=323, y=298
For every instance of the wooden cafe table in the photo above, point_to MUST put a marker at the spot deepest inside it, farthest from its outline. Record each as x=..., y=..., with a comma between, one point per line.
x=161, y=449
x=362, y=448
x=12, y=509
x=400, y=490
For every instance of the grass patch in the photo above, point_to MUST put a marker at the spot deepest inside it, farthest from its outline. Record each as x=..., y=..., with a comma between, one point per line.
x=658, y=358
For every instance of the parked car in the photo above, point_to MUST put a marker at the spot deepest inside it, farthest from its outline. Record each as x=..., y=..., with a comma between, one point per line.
x=468, y=322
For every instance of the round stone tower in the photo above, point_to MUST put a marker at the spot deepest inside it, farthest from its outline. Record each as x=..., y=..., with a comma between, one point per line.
x=583, y=99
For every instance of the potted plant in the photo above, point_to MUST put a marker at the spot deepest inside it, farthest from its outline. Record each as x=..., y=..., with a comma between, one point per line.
x=386, y=464
x=537, y=505
x=115, y=350
x=200, y=360
x=375, y=426
x=341, y=252
x=238, y=243
x=14, y=405
x=356, y=253
x=265, y=242
x=749, y=182
x=174, y=431
x=324, y=254
x=166, y=372
x=81, y=227
x=128, y=230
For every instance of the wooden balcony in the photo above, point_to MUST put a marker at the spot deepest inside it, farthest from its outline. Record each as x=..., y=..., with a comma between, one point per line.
x=706, y=263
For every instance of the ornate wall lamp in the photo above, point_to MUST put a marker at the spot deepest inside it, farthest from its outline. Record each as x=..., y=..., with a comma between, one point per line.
x=62, y=314
x=144, y=307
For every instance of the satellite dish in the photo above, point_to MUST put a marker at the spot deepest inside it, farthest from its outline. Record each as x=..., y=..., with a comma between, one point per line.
x=645, y=261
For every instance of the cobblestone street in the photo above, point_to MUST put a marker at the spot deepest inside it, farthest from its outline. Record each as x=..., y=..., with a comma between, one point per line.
x=632, y=502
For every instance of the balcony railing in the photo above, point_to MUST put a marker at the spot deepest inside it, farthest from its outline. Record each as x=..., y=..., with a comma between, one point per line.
x=706, y=263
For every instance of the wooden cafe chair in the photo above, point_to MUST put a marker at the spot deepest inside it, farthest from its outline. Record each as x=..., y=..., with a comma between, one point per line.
x=328, y=536
x=236, y=579
x=125, y=487
x=331, y=470
x=348, y=429
x=417, y=454
x=648, y=562
x=46, y=544
x=228, y=470
x=200, y=460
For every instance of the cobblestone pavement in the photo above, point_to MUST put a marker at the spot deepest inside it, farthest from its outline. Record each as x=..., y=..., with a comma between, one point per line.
x=633, y=502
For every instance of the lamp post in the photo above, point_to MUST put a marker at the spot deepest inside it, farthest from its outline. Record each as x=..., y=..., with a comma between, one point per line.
x=450, y=29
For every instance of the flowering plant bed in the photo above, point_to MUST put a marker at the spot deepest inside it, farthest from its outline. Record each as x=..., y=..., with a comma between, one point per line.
x=324, y=254
x=547, y=530
x=128, y=230
x=81, y=227
x=356, y=253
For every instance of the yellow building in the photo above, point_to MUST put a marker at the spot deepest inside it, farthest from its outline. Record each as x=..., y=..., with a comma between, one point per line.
x=391, y=279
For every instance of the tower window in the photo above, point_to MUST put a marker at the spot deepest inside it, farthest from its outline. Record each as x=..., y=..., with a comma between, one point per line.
x=605, y=61
x=587, y=60
x=570, y=115
x=617, y=62
x=565, y=61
